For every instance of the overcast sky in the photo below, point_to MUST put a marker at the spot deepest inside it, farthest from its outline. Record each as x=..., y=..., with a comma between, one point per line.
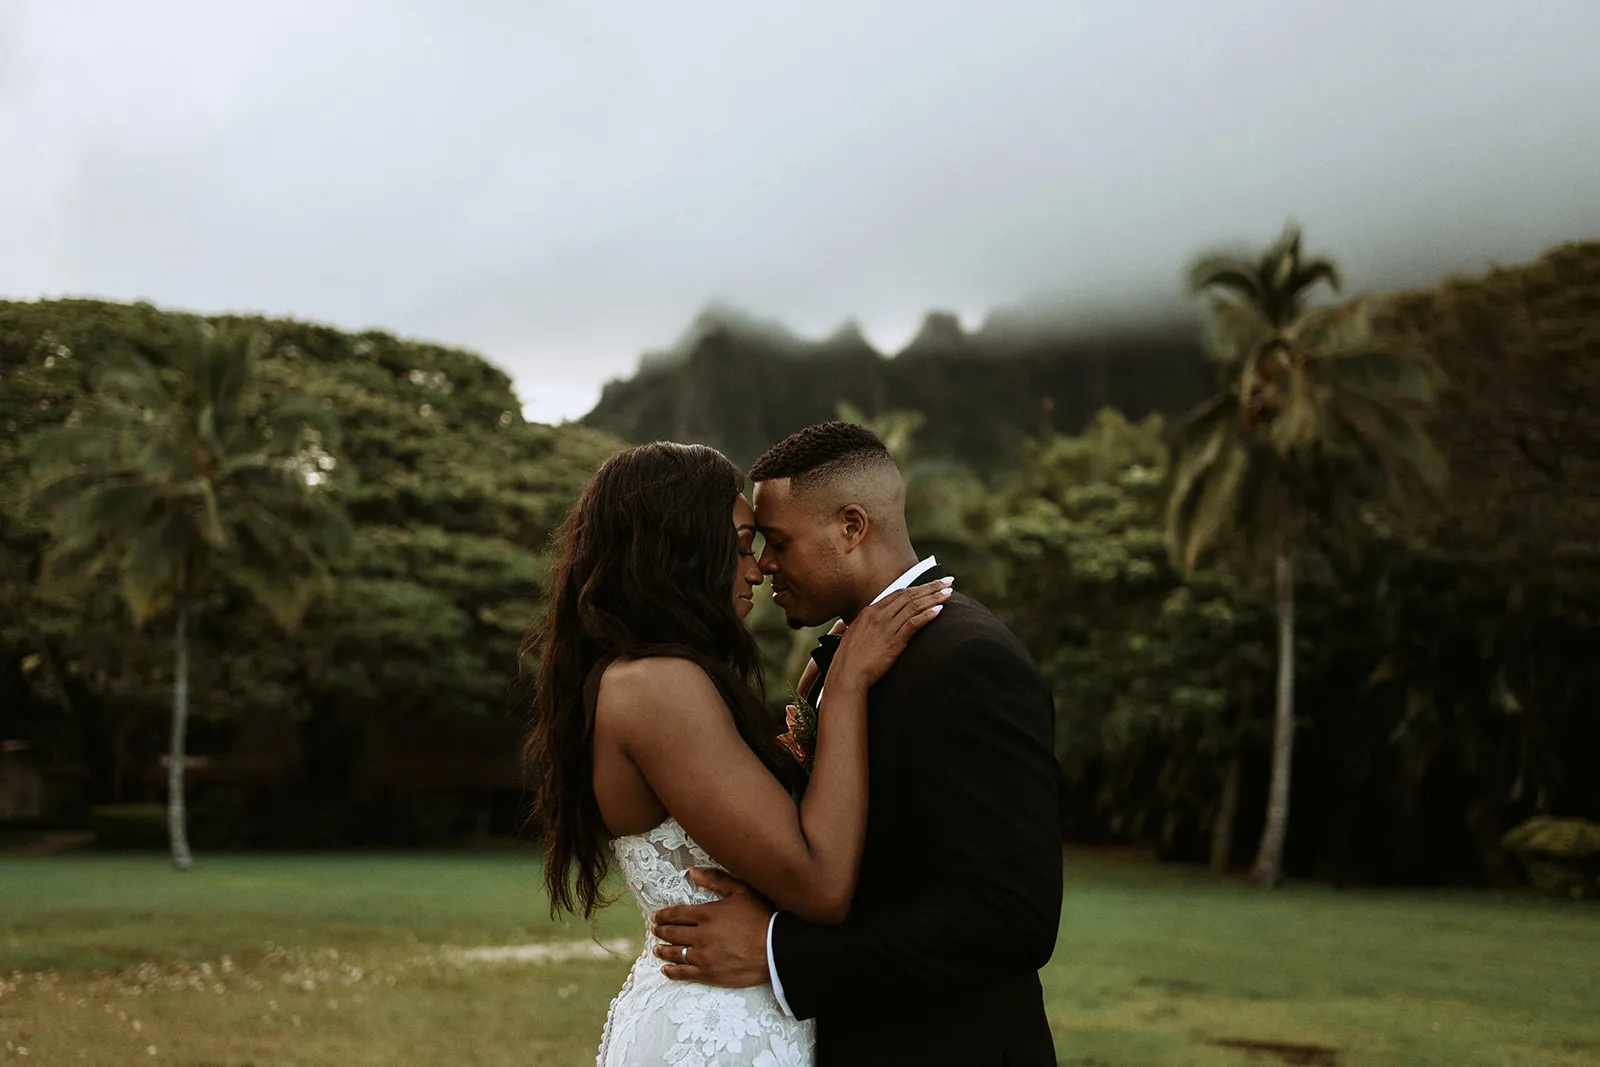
x=561, y=184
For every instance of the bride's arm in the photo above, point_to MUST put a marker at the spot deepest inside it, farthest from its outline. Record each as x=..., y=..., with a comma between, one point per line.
x=669, y=719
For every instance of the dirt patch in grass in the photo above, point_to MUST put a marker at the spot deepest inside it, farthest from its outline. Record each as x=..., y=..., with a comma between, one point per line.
x=545, y=952
x=1283, y=1051
x=1176, y=987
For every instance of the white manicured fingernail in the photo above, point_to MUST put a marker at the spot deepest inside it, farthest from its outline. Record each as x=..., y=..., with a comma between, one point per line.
x=937, y=608
x=948, y=581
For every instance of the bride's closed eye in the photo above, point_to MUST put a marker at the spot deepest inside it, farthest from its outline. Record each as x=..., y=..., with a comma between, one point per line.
x=747, y=543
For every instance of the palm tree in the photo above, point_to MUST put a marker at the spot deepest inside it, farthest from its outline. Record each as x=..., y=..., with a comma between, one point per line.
x=181, y=476
x=1312, y=420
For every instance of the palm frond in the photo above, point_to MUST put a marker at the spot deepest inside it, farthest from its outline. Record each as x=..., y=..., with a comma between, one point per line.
x=234, y=353
x=1392, y=432
x=278, y=483
x=128, y=378
x=1296, y=422
x=161, y=561
x=1201, y=421
x=1402, y=377
x=1200, y=442
x=1256, y=515
x=103, y=508
x=296, y=532
x=238, y=468
x=1278, y=267
x=283, y=563
x=1348, y=441
x=1229, y=273
x=206, y=430
x=1237, y=331
x=206, y=511
x=1340, y=326
x=287, y=604
x=1215, y=502
x=283, y=574
x=55, y=489
x=1308, y=274
x=189, y=357
x=74, y=564
x=66, y=448
x=162, y=455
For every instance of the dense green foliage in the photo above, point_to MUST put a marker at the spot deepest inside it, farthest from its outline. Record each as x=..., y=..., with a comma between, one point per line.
x=1446, y=680
x=180, y=477
x=394, y=700
x=1446, y=689
x=1562, y=855
x=177, y=477
x=1153, y=676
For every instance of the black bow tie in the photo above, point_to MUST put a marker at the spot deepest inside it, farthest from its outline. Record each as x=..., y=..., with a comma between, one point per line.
x=822, y=655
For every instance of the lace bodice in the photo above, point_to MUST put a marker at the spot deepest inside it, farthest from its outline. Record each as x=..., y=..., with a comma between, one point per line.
x=656, y=866
x=663, y=1023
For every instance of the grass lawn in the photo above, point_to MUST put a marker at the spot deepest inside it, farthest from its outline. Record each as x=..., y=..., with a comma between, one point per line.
x=351, y=961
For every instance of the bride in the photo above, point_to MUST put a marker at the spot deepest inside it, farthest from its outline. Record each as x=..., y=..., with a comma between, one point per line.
x=651, y=743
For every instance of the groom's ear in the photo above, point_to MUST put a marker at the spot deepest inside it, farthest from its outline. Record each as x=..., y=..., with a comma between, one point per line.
x=854, y=524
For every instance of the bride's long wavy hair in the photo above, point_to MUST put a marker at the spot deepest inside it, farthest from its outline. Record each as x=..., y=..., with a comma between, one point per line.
x=644, y=565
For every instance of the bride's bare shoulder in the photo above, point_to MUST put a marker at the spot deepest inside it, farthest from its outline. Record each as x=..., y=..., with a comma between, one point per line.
x=651, y=683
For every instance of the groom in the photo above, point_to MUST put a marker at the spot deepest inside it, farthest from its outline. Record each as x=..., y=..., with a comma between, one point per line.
x=959, y=895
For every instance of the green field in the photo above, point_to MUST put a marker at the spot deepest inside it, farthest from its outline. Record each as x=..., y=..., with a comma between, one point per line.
x=350, y=961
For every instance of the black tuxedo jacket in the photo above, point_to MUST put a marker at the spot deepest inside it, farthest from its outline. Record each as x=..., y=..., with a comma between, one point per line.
x=959, y=896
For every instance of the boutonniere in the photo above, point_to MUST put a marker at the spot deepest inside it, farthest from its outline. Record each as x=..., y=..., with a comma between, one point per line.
x=801, y=718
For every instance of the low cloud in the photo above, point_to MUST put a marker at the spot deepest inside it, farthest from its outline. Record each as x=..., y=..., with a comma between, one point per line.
x=563, y=188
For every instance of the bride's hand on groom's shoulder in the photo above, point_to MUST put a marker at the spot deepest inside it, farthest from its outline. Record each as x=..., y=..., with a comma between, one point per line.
x=878, y=635
x=726, y=940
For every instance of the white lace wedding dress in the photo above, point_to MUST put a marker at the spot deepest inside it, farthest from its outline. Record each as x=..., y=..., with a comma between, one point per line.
x=656, y=1021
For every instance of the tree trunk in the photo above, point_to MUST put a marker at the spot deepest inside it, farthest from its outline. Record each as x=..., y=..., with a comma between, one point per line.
x=177, y=817
x=1227, y=814
x=1268, y=868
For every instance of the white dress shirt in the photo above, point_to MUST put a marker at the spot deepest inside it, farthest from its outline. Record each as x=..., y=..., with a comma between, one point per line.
x=902, y=582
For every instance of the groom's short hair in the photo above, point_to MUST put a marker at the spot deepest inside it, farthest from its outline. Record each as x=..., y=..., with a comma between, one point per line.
x=825, y=453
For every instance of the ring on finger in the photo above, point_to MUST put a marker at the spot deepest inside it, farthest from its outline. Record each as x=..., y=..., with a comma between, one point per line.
x=684, y=952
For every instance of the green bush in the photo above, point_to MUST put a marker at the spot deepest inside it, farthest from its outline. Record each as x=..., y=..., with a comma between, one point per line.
x=1562, y=855
x=129, y=827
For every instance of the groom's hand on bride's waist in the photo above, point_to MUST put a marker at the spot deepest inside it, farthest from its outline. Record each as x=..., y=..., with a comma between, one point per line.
x=726, y=939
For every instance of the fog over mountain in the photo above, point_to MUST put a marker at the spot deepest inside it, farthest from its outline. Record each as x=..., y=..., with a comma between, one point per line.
x=563, y=186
